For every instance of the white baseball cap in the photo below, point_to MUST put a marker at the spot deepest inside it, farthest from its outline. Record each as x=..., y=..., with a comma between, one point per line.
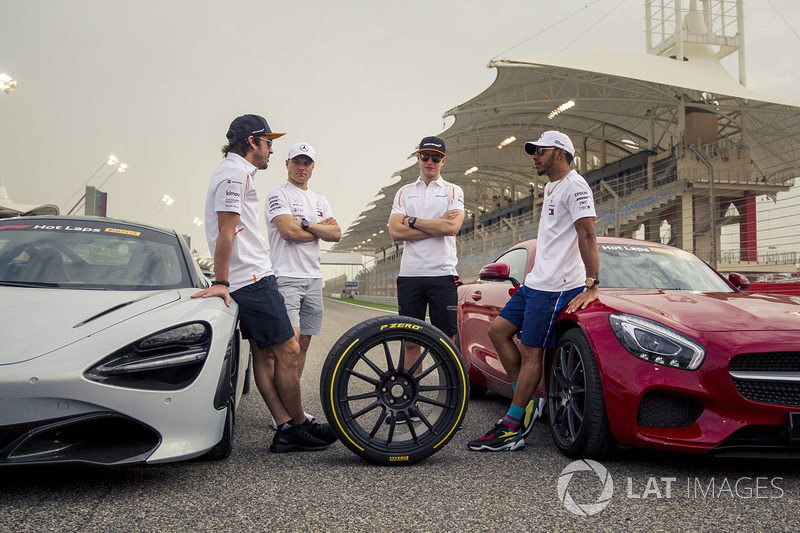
x=302, y=149
x=553, y=138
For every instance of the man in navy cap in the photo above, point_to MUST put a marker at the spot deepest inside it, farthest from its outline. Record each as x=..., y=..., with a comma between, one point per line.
x=426, y=216
x=243, y=272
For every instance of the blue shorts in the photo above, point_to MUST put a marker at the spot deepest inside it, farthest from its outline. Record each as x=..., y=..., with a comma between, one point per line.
x=535, y=312
x=262, y=313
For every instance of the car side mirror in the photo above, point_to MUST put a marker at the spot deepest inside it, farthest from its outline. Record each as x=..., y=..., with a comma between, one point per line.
x=497, y=272
x=739, y=281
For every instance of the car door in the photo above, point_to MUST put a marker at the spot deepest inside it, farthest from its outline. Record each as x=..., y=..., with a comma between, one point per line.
x=481, y=305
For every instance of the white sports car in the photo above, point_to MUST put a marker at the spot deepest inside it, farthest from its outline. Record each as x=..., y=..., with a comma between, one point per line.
x=104, y=357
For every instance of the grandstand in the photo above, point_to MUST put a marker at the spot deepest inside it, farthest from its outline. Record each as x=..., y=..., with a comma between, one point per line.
x=675, y=149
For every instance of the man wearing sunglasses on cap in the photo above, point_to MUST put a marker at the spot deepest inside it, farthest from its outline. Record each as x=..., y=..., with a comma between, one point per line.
x=426, y=216
x=565, y=274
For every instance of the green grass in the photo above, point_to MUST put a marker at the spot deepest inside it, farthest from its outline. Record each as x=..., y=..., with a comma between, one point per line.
x=382, y=307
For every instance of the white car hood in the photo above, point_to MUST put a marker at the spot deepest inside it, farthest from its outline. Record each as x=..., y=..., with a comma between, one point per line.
x=37, y=321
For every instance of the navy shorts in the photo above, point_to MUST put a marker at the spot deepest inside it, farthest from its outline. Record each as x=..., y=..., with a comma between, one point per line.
x=535, y=312
x=440, y=293
x=262, y=313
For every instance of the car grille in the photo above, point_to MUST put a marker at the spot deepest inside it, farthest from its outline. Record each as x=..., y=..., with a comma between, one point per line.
x=662, y=410
x=768, y=377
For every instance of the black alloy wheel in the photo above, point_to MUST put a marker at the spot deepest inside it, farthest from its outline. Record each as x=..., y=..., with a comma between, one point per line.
x=386, y=411
x=575, y=404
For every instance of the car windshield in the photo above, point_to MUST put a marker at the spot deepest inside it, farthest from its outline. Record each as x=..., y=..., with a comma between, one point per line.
x=90, y=255
x=629, y=266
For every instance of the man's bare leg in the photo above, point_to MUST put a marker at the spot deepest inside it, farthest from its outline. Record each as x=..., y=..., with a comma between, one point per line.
x=287, y=379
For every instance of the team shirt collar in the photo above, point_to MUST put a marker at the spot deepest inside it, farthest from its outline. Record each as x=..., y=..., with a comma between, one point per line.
x=438, y=181
x=249, y=167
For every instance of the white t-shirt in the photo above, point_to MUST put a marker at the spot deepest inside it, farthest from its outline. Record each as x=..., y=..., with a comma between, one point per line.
x=558, y=265
x=435, y=256
x=233, y=189
x=295, y=259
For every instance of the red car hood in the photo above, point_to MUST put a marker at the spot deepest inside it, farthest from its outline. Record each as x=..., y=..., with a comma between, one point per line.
x=711, y=311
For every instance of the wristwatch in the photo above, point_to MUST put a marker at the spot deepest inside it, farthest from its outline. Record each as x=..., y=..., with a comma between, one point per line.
x=412, y=221
x=591, y=282
x=220, y=282
x=305, y=224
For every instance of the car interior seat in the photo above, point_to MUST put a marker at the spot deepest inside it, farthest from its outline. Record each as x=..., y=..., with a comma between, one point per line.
x=150, y=262
x=46, y=265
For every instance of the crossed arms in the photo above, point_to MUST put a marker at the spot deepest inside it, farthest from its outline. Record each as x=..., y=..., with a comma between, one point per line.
x=446, y=226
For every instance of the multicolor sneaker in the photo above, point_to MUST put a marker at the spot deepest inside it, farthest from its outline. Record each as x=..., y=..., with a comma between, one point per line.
x=533, y=410
x=498, y=439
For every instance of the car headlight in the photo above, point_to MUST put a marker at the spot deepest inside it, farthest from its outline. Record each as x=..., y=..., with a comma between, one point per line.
x=656, y=343
x=167, y=360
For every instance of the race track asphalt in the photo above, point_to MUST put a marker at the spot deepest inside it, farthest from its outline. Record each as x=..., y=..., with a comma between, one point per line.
x=453, y=490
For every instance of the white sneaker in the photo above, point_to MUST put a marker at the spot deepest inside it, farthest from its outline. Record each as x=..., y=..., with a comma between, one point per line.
x=274, y=425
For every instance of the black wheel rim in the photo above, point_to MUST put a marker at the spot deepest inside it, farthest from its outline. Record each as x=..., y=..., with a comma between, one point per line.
x=566, y=391
x=375, y=397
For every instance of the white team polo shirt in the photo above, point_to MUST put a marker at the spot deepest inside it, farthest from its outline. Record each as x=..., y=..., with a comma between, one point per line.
x=233, y=189
x=558, y=266
x=435, y=256
x=295, y=259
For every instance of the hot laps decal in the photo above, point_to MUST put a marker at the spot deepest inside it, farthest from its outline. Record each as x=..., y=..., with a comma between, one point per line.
x=122, y=231
x=46, y=227
x=628, y=248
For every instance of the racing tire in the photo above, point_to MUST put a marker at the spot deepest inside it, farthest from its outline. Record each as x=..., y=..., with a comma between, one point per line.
x=575, y=403
x=383, y=412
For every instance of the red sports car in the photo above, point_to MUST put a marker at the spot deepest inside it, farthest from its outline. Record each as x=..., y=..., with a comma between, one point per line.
x=672, y=356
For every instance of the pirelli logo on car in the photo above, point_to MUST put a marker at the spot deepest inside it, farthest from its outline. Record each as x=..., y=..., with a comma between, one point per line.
x=401, y=325
x=123, y=231
x=397, y=458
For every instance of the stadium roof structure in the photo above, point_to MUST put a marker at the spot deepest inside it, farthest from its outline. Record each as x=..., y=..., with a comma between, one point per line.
x=623, y=103
x=12, y=209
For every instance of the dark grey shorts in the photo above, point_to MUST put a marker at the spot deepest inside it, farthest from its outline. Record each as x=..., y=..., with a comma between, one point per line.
x=262, y=313
x=438, y=294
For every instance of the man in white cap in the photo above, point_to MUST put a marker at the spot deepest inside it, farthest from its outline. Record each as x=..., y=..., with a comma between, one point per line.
x=298, y=218
x=565, y=274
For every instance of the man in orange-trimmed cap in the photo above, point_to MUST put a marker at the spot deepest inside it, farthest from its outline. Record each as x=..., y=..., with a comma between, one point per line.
x=243, y=272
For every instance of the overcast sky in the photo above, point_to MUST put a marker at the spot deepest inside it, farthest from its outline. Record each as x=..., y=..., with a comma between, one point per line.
x=157, y=82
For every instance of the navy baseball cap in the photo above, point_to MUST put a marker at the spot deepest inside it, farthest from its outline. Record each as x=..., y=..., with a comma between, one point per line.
x=243, y=127
x=432, y=144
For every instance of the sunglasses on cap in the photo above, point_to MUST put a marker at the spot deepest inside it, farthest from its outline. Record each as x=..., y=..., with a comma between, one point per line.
x=539, y=150
x=436, y=158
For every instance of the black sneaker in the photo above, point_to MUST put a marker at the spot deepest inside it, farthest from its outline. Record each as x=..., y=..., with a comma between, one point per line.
x=296, y=439
x=498, y=439
x=533, y=410
x=323, y=432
